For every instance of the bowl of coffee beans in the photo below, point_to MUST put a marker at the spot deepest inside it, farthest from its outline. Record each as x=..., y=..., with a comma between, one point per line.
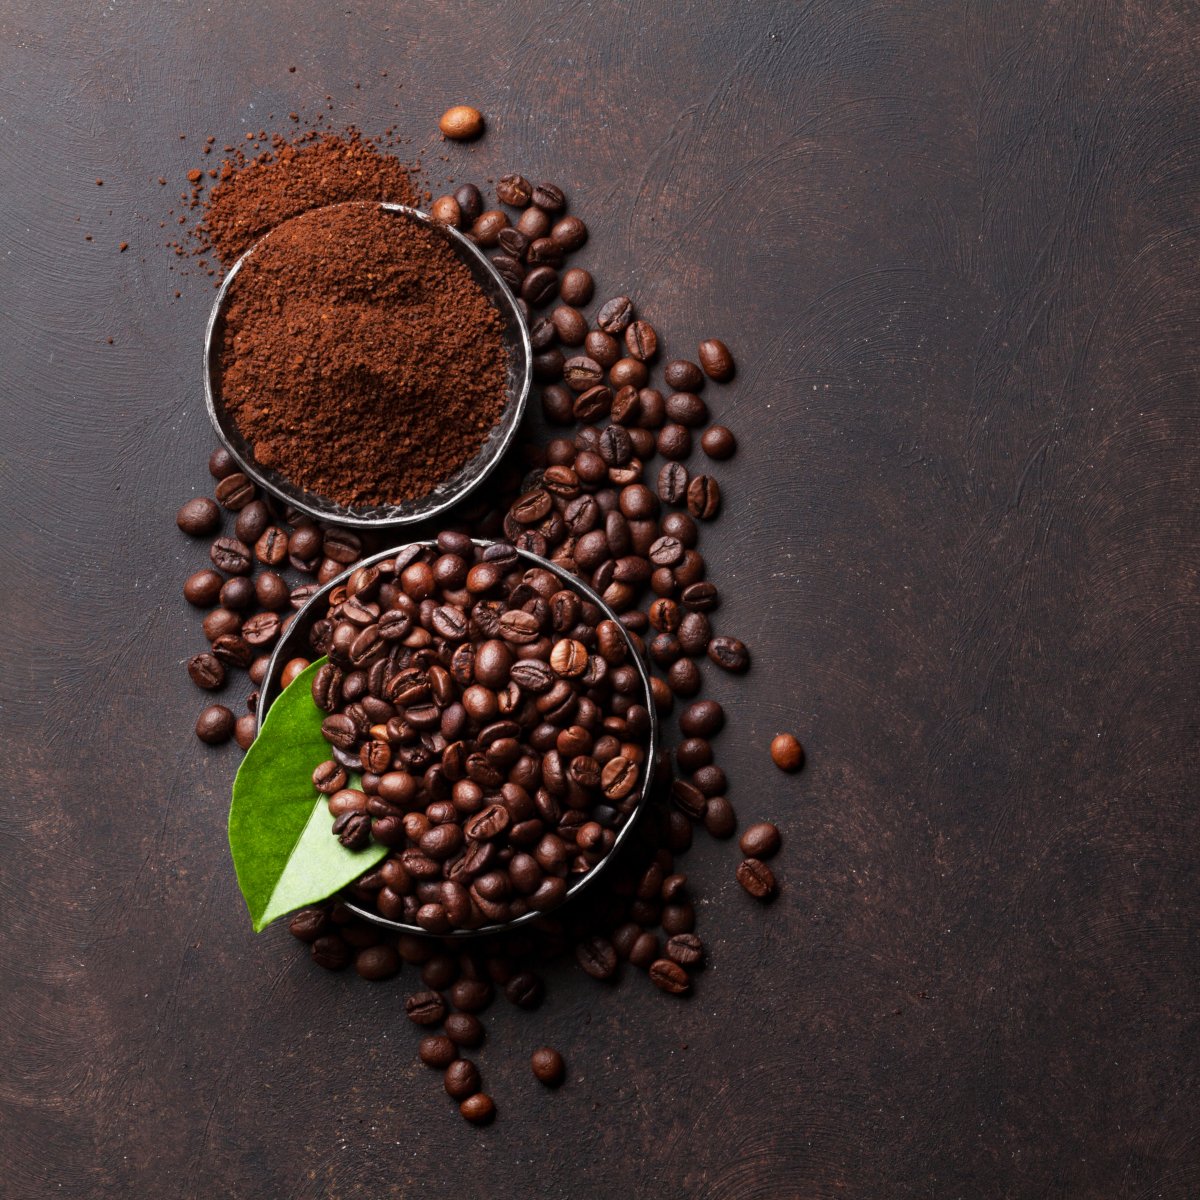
x=498, y=719
x=366, y=364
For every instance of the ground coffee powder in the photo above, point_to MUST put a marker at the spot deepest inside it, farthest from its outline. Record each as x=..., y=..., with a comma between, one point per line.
x=361, y=359
x=252, y=197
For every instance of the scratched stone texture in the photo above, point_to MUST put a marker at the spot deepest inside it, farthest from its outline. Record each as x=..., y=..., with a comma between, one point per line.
x=954, y=248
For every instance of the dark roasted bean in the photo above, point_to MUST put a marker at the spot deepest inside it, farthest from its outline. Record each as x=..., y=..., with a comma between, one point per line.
x=199, y=517
x=760, y=841
x=716, y=360
x=683, y=376
x=718, y=442
x=786, y=752
x=669, y=976
x=756, y=878
x=729, y=654
x=236, y=491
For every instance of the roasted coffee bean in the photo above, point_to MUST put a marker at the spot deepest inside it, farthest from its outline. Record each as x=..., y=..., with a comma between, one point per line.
x=514, y=190
x=470, y=996
x=446, y=210
x=718, y=442
x=569, y=324
x=581, y=373
x=376, y=963
x=544, y=251
x=525, y=990
x=437, y=1051
x=576, y=287
x=261, y=629
x=238, y=593
x=236, y=491
x=540, y=286
x=684, y=678
x=309, y=924
x=549, y=198
x=215, y=725
x=534, y=223
x=686, y=408
x=689, y=799
x=570, y=233
x=628, y=372
x=271, y=591
x=760, y=841
x=327, y=687
x=470, y=201
x=711, y=780
x=693, y=753
x=461, y=1079
x=683, y=376
x=686, y=949
x=615, y=315
x=271, y=549
x=673, y=483
x=674, y=441
x=479, y=1109
x=329, y=777
x=716, y=360
x=548, y=1066
x=510, y=269
x=729, y=654
x=703, y=497
x=703, y=718
x=669, y=976
x=701, y=596
x=462, y=1028
x=665, y=551
x=641, y=341
x=592, y=405
x=486, y=227
x=603, y=347
x=353, y=830
x=331, y=952
x=220, y=622
x=203, y=588
x=695, y=633
x=786, y=752
x=719, y=818
x=756, y=878
x=425, y=1008
x=597, y=957
x=233, y=650
x=206, y=671
x=199, y=517
x=221, y=463
x=304, y=543
x=231, y=556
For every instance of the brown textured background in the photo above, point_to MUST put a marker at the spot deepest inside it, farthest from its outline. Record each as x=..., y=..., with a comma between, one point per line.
x=954, y=248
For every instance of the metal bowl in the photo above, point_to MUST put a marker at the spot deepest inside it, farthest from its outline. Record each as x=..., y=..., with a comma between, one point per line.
x=468, y=477
x=295, y=644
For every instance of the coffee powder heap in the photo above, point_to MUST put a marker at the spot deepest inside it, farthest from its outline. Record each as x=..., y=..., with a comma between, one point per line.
x=252, y=197
x=361, y=360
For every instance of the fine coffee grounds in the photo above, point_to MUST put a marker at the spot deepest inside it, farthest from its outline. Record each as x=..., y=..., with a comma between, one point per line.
x=360, y=359
x=252, y=197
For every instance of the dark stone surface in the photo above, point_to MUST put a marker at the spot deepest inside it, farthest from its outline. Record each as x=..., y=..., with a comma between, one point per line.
x=953, y=248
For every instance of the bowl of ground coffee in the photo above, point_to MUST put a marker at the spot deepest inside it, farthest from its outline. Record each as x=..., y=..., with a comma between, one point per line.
x=366, y=364
x=499, y=721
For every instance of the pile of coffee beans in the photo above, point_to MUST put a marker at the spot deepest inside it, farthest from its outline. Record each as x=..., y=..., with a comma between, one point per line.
x=498, y=725
x=612, y=499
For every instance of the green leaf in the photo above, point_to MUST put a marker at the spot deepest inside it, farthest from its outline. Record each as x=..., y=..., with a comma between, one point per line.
x=280, y=827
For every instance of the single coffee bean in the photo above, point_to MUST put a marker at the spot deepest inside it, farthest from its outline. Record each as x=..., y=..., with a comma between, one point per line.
x=479, y=1109
x=486, y=227
x=760, y=841
x=238, y=593
x=231, y=556
x=461, y=1079
x=683, y=376
x=686, y=949
x=329, y=777
x=674, y=441
x=525, y=990
x=534, y=223
x=437, y=1051
x=569, y=324
x=689, y=799
x=461, y=122
x=703, y=497
x=540, y=286
x=463, y=1028
x=376, y=963
x=548, y=1066
x=730, y=655
x=702, y=718
x=581, y=373
x=669, y=976
x=786, y=752
x=261, y=629
x=719, y=818
x=549, y=198
x=353, y=830
x=514, y=190
x=271, y=591
x=515, y=243
x=445, y=209
x=236, y=491
x=693, y=753
x=425, y=1008
x=557, y=401
x=597, y=957
x=686, y=408
x=641, y=341
x=716, y=360
x=576, y=287
x=718, y=442
x=203, y=588
x=470, y=201
x=233, y=650
x=673, y=483
x=206, y=671
x=570, y=233
x=543, y=252
x=331, y=952
x=221, y=463
x=220, y=622
x=252, y=522
x=215, y=725
x=309, y=924
x=615, y=315
x=756, y=878
x=684, y=679
x=199, y=517
x=701, y=596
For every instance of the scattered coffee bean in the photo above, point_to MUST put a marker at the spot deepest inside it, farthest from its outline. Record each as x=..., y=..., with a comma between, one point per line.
x=221, y=463
x=514, y=190
x=203, y=588
x=685, y=949
x=437, y=1051
x=215, y=725
x=716, y=360
x=199, y=517
x=729, y=654
x=548, y=1066
x=377, y=963
x=718, y=442
x=231, y=556
x=760, y=841
x=479, y=1109
x=786, y=752
x=576, y=287
x=703, y=497
x=669, y=976
x=461, y=1079
x=206, y=671
x=445, y=209
x=236, y=491
x=756, y=878
x=461, y=122
x=683, y=376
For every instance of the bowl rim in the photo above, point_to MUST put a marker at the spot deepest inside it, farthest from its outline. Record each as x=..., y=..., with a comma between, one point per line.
x=516, y=405
x=270, y=691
